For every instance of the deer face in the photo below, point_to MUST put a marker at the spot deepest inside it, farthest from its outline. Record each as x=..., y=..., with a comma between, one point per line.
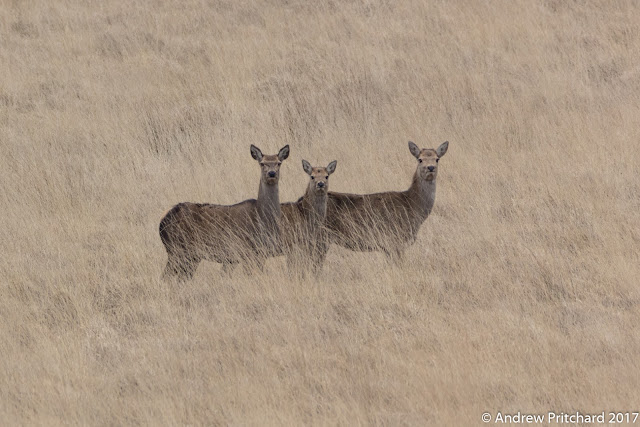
x=270, y=163
x=428, y=159
x=319, y=181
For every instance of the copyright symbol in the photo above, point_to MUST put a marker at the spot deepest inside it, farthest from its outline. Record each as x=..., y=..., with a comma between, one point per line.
x=486, y=417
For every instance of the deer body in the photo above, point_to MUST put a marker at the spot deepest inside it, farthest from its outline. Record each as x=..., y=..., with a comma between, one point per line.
x=388, y=221
x=247, y=231
x=304, y=232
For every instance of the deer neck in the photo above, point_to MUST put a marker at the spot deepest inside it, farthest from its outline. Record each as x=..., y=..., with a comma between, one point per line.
x=315, y=206
x=268, y=203
x=423, y=195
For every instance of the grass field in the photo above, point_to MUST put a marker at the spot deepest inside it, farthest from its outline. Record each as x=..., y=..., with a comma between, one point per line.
x=522, y=290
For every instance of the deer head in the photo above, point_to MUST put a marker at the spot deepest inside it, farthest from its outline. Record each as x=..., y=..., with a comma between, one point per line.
x=270, y=163
x=319, y=181
x=428, y=159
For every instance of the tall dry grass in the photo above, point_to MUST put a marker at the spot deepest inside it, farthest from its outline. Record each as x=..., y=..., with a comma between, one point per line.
x=521, y=292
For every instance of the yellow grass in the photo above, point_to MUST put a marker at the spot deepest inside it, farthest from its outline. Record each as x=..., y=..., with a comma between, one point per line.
x=520, y=294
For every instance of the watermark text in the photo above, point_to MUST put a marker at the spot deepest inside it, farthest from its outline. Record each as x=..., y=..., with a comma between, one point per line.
x=551, y=417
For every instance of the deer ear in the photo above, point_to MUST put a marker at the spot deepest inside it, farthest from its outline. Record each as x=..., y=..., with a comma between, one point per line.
x=306, y=167
x=332, y=167
x=442, y=149
x=283, y=153
x=256, y=153
x=414, y=149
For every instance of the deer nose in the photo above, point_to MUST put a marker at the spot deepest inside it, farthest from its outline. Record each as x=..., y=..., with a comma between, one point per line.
x=272, y=174
x=431, y=168
x=321, y=184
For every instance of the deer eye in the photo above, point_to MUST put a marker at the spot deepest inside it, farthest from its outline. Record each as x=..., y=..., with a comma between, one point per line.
x=419, y=160
x=437, y=160
x=313, y=177
x=326, y=177
x=279, y=163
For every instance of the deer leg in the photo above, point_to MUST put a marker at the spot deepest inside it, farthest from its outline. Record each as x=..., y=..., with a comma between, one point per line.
x=395, y=254
x=171, y=270
x=188, y=269
x=260, y=263
x=314, y=265
x=180, y=268
x=317, y=262
x=300, y=261
x=227, y=268
x=254, y=263
x=292, y=264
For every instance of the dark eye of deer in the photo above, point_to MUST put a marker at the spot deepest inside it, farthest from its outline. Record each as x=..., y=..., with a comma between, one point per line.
x=313, y=177
x=437, y=160
x=419, y=160
x=326, y=177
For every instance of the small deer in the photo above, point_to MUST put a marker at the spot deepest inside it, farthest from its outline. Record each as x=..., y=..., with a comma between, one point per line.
x=304, y=232
x=247, y=231
x=389, y=221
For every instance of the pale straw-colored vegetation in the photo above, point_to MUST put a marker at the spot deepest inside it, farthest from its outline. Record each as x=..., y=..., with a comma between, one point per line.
x=521, y=292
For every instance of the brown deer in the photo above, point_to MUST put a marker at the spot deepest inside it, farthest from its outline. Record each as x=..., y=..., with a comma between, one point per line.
x=248, y=231
x=304, y=232
x=389, y=221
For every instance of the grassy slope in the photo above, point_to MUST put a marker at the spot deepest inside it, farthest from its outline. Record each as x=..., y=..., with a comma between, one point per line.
x=521, y=292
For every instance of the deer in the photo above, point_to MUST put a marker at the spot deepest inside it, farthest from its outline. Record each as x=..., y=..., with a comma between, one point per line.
x=248, y=231
x=388, y=222
x=304, y=232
